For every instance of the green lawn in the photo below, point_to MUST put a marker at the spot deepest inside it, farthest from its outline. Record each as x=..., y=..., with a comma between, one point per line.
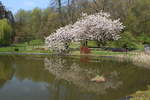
x=34, y=46
x=27, y=49
x=37, y=46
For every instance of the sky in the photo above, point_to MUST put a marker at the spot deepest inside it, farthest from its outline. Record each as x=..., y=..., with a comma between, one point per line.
x=15, y=5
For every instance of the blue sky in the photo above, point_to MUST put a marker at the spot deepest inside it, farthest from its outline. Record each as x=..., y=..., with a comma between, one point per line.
x=15, y=5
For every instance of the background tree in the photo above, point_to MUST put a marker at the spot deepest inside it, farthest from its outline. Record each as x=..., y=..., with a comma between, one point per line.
x=4, y=13
x=22, y=26
x=5, y=33
x=39, y=23
x=36, y=19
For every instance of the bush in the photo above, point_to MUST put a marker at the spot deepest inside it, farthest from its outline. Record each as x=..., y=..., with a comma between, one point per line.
x=127, y=40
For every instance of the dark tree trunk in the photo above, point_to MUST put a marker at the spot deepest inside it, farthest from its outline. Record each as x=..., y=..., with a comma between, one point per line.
x=84, y=43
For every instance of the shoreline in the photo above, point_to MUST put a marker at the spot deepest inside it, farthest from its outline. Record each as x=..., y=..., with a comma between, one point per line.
x=19, y=53
x=139, y=59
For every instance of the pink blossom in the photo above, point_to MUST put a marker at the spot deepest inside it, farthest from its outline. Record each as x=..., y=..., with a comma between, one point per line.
x=98, y=27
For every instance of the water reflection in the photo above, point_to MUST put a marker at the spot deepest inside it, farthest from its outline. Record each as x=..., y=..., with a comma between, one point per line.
x=80, y=76
x=24, y=90
x=67, y=78
x=6, y=71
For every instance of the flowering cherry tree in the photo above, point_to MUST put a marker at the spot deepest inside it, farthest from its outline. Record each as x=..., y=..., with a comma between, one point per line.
x=99, y=27
x=59, y=41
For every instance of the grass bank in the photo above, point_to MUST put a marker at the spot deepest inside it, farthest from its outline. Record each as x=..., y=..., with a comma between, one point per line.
x=141, y=95
x=37, y=47
x=34, y=46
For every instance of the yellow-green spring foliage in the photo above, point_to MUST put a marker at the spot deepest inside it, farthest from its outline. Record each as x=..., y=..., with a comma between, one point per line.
x=5, y=32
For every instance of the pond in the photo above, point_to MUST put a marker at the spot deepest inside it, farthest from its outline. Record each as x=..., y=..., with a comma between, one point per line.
x=69, y=78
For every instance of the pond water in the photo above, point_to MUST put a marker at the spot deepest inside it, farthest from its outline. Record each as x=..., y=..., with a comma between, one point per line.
x=69, y=78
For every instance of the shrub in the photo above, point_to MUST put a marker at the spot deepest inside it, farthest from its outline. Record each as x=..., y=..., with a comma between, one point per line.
x=127, y=40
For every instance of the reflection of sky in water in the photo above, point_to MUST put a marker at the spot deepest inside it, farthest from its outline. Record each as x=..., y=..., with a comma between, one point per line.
x=56, y=78
x=24, y=90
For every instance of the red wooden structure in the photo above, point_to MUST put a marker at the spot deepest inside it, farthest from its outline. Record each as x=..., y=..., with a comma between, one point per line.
x=85, y=50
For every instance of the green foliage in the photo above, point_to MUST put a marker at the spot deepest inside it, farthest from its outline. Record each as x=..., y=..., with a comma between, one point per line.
x=36, y=42
x=39, y=23
x=138, y=17
x=5, y=32
x=35, y=24
x=92, y=43
x=52, y=24
x=35, y=21
x=24, y=27
x=127, y=40
x=144, y=38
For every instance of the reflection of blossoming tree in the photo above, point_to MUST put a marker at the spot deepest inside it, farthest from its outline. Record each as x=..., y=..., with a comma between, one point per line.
x=80, y=77
x=99, y=27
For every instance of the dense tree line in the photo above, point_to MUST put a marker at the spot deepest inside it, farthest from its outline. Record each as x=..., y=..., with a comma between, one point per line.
x=35, y=24
x=38, y=23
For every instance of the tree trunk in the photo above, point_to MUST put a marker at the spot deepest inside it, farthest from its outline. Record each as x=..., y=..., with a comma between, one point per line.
x=84, y=43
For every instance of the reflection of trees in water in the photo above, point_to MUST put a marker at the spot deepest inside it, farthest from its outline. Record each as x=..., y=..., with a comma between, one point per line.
x=121, y=76
x=64, y=75
x=6, y=70
x=73, y=73
x=31, y=68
